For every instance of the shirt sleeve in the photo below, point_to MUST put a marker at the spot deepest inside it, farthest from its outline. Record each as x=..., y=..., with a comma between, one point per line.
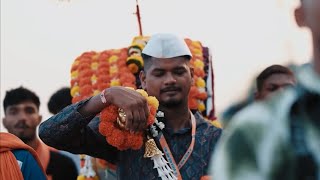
x=70, y=131
x=29, y=167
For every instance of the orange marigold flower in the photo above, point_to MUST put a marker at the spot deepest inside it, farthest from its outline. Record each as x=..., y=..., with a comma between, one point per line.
x=84, y=66
x=193, y=104
x=103, y=79
x=76, y=99
x=109, y=113
x=102, y=86
x=106, y=128
x=84, y=81
x=74, y=82
x=150, y=119
x=86, y=90
x=116, y=138
x=85, y=73
x=138, y=142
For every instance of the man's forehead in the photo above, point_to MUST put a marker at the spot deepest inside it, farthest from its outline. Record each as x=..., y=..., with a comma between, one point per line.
x=280, y=78
x=178, y=61
x=22, y=105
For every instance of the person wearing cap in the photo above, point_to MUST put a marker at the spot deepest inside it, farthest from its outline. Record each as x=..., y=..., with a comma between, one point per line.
x=167, y=75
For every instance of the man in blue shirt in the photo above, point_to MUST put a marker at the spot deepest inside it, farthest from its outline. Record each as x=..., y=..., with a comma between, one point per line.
x=18, y=160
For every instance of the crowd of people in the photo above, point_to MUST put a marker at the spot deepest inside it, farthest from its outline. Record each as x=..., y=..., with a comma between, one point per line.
x=275, y=135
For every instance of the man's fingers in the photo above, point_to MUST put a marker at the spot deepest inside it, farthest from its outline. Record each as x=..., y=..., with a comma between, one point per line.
x=129, y=120
x=136, y=121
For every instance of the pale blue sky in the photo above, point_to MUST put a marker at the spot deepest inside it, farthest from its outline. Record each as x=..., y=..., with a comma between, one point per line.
x=41, y=38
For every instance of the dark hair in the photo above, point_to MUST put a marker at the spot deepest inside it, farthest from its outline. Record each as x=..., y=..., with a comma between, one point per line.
x=59, y=100
x=274, y=69
x=147, y=60
x=19, y=95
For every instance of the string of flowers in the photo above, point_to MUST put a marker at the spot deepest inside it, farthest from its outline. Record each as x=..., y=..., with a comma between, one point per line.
x=122, y=138
x=197, y=94
x=134, y=60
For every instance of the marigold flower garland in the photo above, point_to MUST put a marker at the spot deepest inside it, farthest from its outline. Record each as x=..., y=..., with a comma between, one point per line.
x=119, y=137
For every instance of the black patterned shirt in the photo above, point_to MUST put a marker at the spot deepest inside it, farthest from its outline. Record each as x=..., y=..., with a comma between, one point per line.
x=70, y=131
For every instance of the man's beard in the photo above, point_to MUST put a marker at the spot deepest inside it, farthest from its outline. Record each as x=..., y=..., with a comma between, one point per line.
x=27, y=138
x=171, y=103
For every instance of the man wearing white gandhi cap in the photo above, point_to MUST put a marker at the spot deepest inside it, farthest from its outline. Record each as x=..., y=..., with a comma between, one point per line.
x=187, y=140
x=166, y=46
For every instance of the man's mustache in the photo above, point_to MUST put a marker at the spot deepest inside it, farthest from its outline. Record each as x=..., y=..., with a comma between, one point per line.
x=21, y=125
x=171, y=88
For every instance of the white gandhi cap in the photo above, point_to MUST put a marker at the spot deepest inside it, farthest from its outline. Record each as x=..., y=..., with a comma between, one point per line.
x=166, y=46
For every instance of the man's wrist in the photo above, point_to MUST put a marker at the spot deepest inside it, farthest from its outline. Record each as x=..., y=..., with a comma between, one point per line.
x=103, y=97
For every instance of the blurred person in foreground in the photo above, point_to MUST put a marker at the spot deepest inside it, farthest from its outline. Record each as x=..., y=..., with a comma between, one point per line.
x=21, y=107
x=278, y=138
x=167, y=75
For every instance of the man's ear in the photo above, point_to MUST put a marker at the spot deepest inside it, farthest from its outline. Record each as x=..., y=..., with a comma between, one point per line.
x=40, y=119
x=300, y=16
x=192, y=73
x=5, y=122
x=142, y=77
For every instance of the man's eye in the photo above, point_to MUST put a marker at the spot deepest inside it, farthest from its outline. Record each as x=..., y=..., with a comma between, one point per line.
x=29, y=110
x=13, y=111
x=273, y=88
x=180, y=71
x=158, y=74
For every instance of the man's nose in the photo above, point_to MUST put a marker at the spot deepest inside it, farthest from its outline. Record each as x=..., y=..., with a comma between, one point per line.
x=170, y=79
x=22, y=116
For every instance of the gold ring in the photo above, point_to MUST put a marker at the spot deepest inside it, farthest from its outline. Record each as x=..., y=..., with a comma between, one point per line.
x=121, y=120
x=121, y=124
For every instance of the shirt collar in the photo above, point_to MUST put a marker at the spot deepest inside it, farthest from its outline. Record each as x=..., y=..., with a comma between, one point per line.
x=199, y=121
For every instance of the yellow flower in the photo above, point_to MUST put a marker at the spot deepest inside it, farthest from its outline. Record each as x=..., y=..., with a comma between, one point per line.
x=74, y=91
x=76, y=62
x=130, y=88
x=94, y=57
x=216, y=123
x=142, y=92
x=113, y=69
x=153, y=101
x=113, y=59
x=196, y=44
x=96, y=92
x=74, y=74
x=139, y=45
x=94, y=65
x=200, y=82
x=115, y=82
x=198, y=64
x=197, y=52
x=136, y=58
x=93, y=79
x=81, y=177
x=201, y=107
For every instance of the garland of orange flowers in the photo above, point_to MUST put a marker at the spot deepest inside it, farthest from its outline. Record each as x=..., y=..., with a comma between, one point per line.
x=120, y=138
